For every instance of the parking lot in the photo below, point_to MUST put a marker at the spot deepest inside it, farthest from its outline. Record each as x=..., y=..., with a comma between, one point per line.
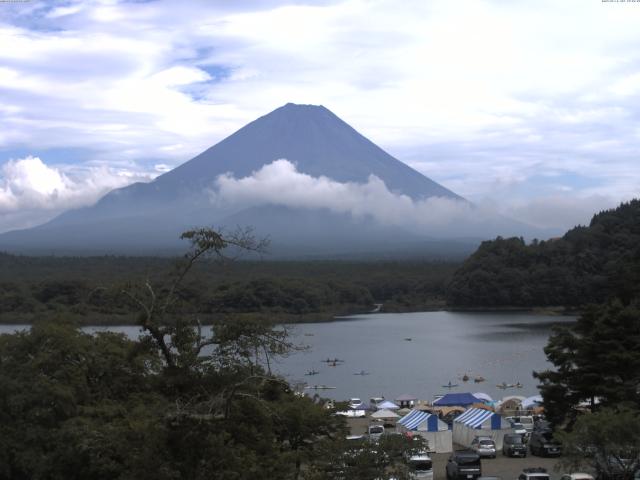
x=501, y=466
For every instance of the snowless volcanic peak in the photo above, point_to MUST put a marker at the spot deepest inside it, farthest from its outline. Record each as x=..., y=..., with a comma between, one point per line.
x=148, y=217
x=313, y=138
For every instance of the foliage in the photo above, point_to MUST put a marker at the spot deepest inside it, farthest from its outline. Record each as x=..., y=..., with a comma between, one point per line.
x=588, y=264
x=173, y=404
x=364, y=460
x=38, y=287
x=607, y=442
x=597, y=361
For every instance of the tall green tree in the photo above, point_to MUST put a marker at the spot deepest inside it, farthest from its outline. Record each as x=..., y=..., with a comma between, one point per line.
x=597, y=363
x=606, y=442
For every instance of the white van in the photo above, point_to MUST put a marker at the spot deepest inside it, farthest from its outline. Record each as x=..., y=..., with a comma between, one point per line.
x=420, y=466
x=527, y=422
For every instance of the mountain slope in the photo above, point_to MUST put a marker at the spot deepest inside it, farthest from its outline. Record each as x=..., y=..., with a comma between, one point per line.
x=149, y=217
x=312, y=137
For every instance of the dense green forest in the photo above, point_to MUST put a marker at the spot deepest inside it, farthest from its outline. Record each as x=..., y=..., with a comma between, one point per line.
x=587, y=265
x=89, y=289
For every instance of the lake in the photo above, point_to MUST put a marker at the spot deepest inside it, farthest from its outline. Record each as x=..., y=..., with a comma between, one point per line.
x=501, y=347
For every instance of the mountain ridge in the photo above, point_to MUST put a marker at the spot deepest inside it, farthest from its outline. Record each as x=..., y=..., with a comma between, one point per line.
x=320, y=144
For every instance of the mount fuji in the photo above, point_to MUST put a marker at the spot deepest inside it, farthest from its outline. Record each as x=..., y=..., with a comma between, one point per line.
x=234, y=183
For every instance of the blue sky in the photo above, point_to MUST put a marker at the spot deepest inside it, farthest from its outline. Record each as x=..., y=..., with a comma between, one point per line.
x=528, y=108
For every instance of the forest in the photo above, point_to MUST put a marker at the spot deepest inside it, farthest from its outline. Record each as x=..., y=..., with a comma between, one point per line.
x=589, y=264
x=89, y=289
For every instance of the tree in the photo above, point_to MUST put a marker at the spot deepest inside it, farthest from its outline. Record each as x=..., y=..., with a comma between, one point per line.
x=173, y=404
x=607, y=442
x=73, y=405
x=597, y=363
x=181, y=340
x=364, y=460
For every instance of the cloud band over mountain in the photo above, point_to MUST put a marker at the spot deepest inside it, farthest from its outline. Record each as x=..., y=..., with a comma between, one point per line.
x=280, y=183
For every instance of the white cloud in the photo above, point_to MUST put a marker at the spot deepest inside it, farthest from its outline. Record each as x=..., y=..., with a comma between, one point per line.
x=560, y=212
x=32, y=192
x=482, y=95
x=279, y=183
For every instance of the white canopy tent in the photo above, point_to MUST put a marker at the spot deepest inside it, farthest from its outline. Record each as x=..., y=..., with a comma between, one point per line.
x=385, y=414
x=483, y=397
x=531, y=402
x=387, y=405
x=477, y=421
x=428, y=426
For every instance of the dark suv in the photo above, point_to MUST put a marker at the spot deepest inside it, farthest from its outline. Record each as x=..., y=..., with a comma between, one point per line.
x=542, y=444
x=464, y=464
x=513, y=446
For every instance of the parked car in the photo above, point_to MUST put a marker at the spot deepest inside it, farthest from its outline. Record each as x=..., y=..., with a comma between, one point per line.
x=354, y=402
x=463, y=465
x=541, y=443
x=375, y=432
x=576, y=476
x=420, y=466
x=534, y=473
x=484, y=446
x=513, y=445
x=527, y=421
x=518, y=428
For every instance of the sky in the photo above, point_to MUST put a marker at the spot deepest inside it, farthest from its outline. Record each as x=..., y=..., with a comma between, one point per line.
x=531, y=109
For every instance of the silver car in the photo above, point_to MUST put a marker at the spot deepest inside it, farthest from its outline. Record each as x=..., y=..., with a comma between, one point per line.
x=484, y=446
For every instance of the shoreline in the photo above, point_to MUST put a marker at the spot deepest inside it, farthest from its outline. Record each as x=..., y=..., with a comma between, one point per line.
x=338, y=315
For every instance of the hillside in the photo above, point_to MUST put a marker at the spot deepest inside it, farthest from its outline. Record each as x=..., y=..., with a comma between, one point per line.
x=587, y=265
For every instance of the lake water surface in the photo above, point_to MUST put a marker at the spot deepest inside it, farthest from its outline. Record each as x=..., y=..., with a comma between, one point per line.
x=501, y=347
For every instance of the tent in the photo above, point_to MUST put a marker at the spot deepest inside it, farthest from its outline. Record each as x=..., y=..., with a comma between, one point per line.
x=477, y=421
x=385, y=415
x=428, y=426
x=456, y=399
x=356, y=411
x=511, y=404
x=387, y=405
x=532, y=402
x=483, y=397
x=483, y=406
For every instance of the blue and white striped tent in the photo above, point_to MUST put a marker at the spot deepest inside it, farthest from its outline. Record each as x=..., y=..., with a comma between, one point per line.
x=430, y=427
x=478, y=421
